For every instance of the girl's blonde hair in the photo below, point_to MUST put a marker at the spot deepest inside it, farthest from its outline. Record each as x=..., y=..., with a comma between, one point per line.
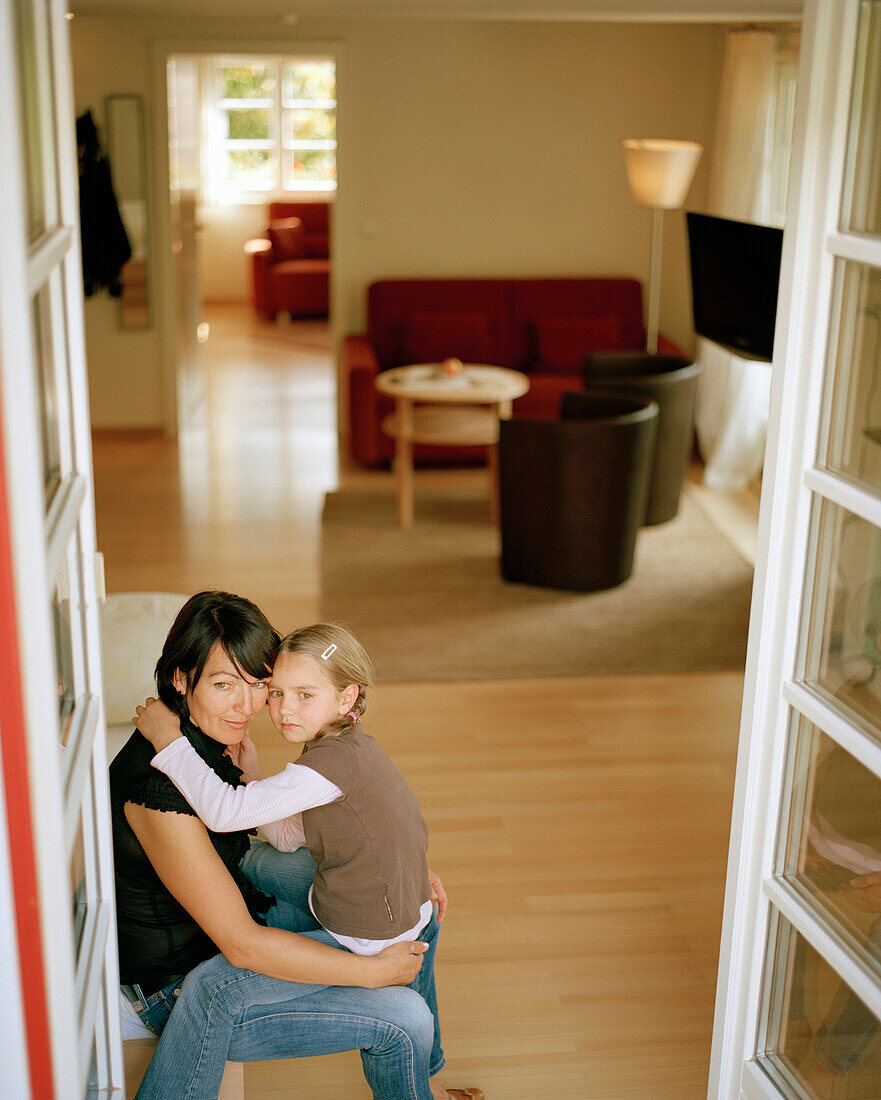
x=343, y=660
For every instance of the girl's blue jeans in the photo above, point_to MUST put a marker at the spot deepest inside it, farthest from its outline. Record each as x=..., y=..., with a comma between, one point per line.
x=225, y=1013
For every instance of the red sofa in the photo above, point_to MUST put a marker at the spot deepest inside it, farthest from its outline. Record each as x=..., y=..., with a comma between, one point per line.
x=543, y=327
x=291, y=272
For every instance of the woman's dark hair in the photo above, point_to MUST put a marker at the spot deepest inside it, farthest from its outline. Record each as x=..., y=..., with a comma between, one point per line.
x=240, y=626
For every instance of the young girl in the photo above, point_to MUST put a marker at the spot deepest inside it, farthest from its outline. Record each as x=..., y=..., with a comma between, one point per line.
x=343, y=796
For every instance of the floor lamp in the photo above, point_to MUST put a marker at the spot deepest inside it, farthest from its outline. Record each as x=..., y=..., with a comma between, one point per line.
x=659, y=173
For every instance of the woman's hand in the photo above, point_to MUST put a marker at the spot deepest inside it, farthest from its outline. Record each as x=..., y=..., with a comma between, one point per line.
x=438, y=894
x=157, y=723
x=398, y=964
x=244, y=756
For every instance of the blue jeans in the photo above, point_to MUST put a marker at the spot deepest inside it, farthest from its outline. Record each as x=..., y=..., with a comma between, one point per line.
x=225, y=1013
x=155, y=1009
x=288, y=877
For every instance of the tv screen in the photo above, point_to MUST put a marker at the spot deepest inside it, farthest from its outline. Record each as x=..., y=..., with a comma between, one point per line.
x=735, y=272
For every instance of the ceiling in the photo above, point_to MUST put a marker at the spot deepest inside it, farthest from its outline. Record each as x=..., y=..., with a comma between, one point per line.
x=723, y=11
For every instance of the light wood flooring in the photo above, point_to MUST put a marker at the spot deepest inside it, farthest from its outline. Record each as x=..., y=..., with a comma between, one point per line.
x=580, y=825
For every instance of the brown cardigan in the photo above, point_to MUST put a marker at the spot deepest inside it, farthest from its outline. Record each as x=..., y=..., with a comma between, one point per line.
x=370, y=845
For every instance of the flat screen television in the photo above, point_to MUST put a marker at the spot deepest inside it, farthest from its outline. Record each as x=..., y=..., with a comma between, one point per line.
x=735, y=272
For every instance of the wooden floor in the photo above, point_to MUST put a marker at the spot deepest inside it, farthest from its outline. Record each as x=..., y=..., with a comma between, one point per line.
x=580, y=825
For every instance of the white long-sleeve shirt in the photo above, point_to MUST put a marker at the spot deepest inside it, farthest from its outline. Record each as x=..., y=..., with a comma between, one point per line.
x=275, y=805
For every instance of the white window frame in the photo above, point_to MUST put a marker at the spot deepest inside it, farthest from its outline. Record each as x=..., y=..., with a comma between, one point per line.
x=786, y=551
x=51, y=541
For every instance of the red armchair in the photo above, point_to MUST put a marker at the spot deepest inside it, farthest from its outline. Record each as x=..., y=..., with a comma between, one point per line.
x=291, y=271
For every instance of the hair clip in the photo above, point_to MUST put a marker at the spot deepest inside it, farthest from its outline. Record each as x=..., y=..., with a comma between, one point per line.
x=327, y=653
x=352, y=715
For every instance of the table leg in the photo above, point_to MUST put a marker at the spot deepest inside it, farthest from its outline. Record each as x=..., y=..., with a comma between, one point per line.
x=404, y=460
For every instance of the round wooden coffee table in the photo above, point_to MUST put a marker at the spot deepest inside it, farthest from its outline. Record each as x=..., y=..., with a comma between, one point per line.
x=432, y=407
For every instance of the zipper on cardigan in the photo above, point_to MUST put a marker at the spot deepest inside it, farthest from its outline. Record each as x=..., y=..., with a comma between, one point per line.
x=389, y=908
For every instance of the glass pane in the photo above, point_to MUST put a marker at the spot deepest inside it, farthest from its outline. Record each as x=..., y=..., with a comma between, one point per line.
x=833, y=844
x=61, y=623
x=30, y=119
x=251, y=168
x=246, y=81
x=92, y=1084
x=78, y=892
x=305, y=165
x=853, y=392
x=819, y=1030
x=315, y=80
x=253, y=124
x=845, y=637
x=862, y=211
x=309, y=124
x=48, y=395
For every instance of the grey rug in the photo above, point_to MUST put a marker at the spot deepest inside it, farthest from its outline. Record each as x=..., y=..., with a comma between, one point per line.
x=429, y=603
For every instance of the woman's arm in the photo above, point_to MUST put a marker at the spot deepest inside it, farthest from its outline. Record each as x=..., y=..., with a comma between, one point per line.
x=226, y=809
x=183, y=856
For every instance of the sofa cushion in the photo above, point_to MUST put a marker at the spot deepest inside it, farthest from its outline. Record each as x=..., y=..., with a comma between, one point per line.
x=317, y=244
x=392, y=302
x=314, y=215
x=531, y=300
x=431, y=337
x=288, y=239
x=562, y=343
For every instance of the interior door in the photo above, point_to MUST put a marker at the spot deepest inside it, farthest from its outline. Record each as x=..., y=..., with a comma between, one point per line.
x=55, y=775
x=799, y=996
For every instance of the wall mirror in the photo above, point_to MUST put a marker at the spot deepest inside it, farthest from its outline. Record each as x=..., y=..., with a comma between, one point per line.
x=126, y=149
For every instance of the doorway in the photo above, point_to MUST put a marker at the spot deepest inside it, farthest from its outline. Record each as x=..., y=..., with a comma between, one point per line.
x=252, y=178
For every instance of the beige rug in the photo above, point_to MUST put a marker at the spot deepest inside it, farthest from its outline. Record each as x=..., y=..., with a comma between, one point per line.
x=429, y=603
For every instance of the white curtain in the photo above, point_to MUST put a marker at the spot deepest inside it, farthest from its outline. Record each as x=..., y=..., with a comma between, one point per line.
x=741, y=120
x=732, y=403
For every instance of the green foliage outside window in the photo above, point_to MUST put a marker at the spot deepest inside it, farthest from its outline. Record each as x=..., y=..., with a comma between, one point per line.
x=251, y=166
x=251, y=124
x=315, y=165
x=309, y=124
x=247, y=82
x=310, y=80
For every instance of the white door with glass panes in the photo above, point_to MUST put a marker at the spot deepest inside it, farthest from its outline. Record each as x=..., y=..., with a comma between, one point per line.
x=798, y=1011
x=64, y=1040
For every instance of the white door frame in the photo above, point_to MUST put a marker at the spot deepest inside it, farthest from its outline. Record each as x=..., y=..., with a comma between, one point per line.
x=166, y=275
x=784, y=548
x=52, y=548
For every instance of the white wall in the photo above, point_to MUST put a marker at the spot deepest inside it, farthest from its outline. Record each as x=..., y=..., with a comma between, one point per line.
x=225, y=270
x=124, y=371
x=466, y=148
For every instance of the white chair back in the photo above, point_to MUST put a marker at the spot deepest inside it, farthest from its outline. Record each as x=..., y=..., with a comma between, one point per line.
x=134, y=626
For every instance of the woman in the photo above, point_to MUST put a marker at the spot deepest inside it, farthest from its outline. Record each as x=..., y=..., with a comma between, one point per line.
x=183, y=894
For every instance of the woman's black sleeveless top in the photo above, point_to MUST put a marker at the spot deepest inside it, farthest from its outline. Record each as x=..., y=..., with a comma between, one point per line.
x=159, y=941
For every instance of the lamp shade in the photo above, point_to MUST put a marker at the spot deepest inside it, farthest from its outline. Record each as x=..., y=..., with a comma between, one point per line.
x=660, y=172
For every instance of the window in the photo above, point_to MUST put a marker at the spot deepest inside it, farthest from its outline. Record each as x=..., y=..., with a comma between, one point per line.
x=270, y=126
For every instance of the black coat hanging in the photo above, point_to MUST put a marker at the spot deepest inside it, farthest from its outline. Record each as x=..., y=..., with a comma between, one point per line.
x=105, y=243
